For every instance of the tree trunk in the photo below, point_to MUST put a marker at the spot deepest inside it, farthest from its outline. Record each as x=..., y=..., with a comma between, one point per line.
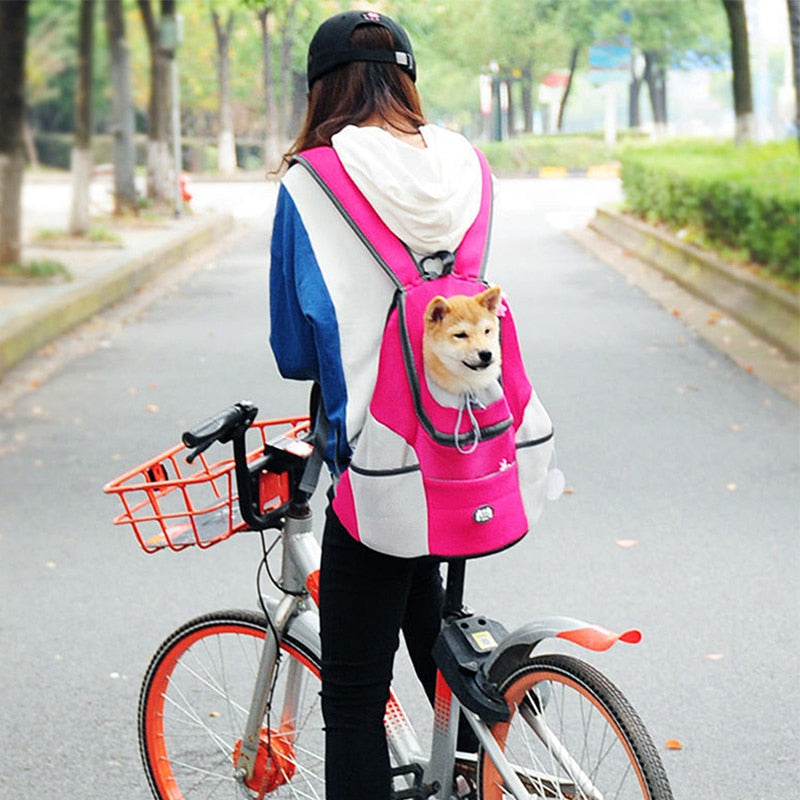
x=511, y=108
x=159, y=158
x=30, y=144
x=124, y=154
x=287, y=45
x=655, y=75
x=742, y=85
x=527, y=99
x=634, y=112
x=299, y=93
x=226, y=144
x=13, y=36
x=272, y=153
x=82, y=150
x=573, y=62
x=634, y=93
x=794, y=25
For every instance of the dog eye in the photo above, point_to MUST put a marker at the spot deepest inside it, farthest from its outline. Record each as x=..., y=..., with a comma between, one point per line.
x=460, y=335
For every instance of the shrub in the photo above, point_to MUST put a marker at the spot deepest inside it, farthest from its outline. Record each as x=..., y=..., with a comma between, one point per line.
x=529, y=153
x=746, y=198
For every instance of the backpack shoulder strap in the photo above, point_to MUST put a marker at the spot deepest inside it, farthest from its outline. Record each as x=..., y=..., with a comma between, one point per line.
x=388, y=250
x=391, y=254
x=473, y=252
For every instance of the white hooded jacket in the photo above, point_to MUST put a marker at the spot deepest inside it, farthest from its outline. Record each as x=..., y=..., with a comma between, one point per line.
x=428, y=196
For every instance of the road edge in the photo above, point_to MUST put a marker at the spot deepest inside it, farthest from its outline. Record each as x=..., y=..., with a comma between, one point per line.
x=747, y=350
x=121, y=277
x=769, y=311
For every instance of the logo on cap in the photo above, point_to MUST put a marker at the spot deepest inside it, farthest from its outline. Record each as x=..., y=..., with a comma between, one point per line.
x=372, y=16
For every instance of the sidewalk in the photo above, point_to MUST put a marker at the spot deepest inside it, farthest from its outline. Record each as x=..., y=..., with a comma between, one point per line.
x=34, y=312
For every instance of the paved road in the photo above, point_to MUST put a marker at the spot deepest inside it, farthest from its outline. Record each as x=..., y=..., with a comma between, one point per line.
x=682, y=517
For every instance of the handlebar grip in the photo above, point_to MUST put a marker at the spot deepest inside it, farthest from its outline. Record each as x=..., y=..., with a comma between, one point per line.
x=220, y=426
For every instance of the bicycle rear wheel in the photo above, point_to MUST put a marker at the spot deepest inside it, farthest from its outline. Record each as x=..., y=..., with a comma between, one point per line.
x=194, y=704
x=572, y=736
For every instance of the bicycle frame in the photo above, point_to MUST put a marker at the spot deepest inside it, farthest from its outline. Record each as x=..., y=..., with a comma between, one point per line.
x=301, y=556
x=294, y=616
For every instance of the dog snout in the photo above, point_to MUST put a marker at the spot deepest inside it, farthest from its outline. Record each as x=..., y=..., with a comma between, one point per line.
x=485, y=356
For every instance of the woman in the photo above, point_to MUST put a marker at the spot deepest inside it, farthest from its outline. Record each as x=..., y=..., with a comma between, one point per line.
x=328, y=302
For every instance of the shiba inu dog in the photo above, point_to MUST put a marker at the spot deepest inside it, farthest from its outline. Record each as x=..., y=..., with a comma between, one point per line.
x=461, y=344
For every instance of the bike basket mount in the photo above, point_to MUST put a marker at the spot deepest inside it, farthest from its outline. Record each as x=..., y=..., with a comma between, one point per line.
x=172, y=504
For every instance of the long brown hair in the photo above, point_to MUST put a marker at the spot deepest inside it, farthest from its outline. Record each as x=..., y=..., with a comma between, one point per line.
x=354, y=92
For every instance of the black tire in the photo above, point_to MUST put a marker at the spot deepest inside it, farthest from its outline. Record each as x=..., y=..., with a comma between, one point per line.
x=590, y=717
x=194, y=703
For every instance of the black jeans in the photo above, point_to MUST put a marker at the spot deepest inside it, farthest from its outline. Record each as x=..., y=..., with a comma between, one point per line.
x=366, y=598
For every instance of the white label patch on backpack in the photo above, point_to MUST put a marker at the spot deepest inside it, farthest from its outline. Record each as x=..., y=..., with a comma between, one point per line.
x=483, y=514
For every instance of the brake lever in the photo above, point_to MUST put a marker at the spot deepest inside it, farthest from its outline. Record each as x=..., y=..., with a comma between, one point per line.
x=197, y=451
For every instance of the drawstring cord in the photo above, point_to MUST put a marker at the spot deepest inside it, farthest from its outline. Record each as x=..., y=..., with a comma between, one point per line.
x=468, y=400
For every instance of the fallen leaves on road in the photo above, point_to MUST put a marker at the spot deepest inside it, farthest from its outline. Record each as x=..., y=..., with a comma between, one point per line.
x=715, y=656
x=151, y=408
x=626, y=542
x=731, y=487
x=673, y=744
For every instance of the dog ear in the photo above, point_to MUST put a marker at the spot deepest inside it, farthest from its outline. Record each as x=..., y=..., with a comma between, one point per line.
x=490, y=298
x=436, y=310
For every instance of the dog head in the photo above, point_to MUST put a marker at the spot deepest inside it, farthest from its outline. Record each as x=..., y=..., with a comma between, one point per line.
x=461, y=345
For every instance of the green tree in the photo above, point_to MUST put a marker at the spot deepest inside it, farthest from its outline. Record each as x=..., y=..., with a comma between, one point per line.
x=226, y=143
x=124, y=153
x=666, y=32
x=13, y=38
x=794, y=26
x=158, y=28
x=81, y=162
x=740, y=59
x=582, y=22
x=50, y=69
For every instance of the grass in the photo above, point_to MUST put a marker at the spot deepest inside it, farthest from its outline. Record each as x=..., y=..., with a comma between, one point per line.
x=37, y=269
x=97, y=234
x=100, y=233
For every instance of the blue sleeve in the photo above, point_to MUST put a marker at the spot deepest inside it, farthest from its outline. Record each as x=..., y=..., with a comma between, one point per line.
x=304, y=334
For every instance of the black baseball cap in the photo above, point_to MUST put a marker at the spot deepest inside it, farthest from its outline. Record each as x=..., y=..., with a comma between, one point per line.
x=330, y=46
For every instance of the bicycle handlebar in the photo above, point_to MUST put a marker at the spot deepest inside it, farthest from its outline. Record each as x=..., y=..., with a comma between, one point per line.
x=221, y=427
x=231, y=424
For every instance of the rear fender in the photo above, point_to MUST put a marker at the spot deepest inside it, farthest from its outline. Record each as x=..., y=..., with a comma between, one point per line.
x=521, y=642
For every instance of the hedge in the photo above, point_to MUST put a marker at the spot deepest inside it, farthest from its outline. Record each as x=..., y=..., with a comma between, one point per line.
x=527, y=154
x=743, y=198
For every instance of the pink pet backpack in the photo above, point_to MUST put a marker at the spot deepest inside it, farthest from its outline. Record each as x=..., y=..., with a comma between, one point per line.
x=429, y=479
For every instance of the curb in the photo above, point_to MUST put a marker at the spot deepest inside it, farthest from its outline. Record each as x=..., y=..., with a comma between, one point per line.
x=609, y=170
x=769, y=311
x=120, y=276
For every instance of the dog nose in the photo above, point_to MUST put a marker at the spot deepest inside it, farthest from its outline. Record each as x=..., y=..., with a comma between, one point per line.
x=485, y=356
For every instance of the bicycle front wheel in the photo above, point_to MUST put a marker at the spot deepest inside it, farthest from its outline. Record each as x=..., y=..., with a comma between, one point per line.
x=194, y=704
x=571, y=736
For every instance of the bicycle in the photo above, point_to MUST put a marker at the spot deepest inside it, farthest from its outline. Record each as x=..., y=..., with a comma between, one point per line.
x=229, y=704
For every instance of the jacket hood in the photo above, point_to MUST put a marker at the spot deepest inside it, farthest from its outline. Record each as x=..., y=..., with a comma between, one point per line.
x=428, y=196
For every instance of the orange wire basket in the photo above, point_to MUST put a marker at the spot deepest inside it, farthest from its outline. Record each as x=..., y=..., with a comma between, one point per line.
x=171, y=504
